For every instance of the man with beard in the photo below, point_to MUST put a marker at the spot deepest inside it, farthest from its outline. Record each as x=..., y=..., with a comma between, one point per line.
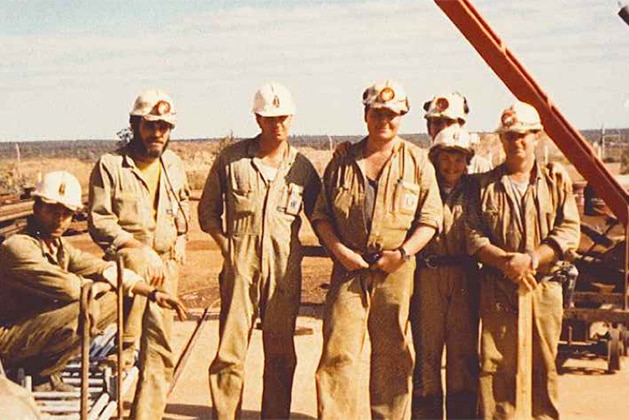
x=138, y=208
x=41, y=276
x=260, y=188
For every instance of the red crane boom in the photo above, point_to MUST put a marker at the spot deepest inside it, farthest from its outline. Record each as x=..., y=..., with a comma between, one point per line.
x=513, y=74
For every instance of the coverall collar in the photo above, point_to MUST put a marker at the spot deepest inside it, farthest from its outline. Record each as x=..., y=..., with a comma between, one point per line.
x=32, y=230
x=459, y=188
x=504, y=176
x=287, y=161
x=356, y=150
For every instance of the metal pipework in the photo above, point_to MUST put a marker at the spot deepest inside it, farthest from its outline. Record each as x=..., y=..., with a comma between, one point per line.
x=119, y=332
x=85, y=326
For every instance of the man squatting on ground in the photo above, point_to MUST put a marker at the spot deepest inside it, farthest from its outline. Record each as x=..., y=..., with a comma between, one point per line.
x=259, y=187
x=522, y=221
x=449, y=111
x=41, y=276
x=379, y=206
x=138, y=208
x=445, y=303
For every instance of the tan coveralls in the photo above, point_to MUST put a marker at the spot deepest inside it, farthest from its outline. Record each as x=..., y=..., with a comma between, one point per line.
x=262, y=274
x=120, y=207
x=445, y=313
x=39, y=304
x=373, y=301
x=550, y=216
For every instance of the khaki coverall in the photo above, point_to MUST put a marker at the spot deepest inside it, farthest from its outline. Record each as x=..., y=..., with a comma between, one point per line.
x=261, y=274
x=39, y=304
x=444, y=312
x=550, y=216
x=374, y=301
x=120, y=207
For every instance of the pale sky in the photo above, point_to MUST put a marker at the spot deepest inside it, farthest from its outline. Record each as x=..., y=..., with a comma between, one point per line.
x=71, y=69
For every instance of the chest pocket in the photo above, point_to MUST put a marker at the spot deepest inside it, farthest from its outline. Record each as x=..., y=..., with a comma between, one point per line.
x=127, y=206
x=292, y=199
x=405, y=198
x=242, y=196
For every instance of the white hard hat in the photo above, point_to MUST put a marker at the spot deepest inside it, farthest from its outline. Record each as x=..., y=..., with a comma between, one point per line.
x=273, y=100
x=452, y=106
x=155, y=105
x=452, y=138
x=60, y=187
x=387, y=94
x=520, y=118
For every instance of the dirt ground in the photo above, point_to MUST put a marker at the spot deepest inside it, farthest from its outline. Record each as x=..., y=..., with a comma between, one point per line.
x=587, y=390
x=198, y=286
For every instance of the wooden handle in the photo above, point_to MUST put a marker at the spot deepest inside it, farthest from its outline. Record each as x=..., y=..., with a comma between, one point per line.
x=523, y=379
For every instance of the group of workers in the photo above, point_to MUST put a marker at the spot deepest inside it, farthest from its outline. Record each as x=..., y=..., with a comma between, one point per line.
x=432, y=240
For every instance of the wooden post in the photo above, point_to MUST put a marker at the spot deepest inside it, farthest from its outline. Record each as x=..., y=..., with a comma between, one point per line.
x=85, y=328
x=120, y=329
x=523, y=378
x=19, y=166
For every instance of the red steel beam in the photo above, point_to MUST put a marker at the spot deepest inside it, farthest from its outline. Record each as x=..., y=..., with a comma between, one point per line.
x=513, y=74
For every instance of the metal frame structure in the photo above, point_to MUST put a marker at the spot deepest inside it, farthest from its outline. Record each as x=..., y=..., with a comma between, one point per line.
x=101, y=392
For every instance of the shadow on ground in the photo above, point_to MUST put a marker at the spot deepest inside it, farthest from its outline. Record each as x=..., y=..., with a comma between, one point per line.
x=174, y=411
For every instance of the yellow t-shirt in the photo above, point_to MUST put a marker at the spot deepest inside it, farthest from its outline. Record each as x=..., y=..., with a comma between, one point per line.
x=151, y=172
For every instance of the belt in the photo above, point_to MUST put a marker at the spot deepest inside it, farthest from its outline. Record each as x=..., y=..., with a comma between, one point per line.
x=436, y=261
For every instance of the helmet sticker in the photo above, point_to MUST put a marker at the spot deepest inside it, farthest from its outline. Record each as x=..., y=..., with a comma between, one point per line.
x=386, y=94
x=441, y=104
x=509, y=118
x=162, y=108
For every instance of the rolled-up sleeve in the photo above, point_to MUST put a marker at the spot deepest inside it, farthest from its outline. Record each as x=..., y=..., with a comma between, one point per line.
x=430, y=207
x=311, y=191
x=322, y=210
x=211, y=205
x=475, y=229
x=102, y=221
x=566, y=231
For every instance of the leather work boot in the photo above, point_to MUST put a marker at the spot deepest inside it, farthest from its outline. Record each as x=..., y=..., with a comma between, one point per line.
x=53, y=383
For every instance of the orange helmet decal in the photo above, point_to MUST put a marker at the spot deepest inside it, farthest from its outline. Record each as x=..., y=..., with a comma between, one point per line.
x=442, y=104
x=162, y=108
x=387, y=94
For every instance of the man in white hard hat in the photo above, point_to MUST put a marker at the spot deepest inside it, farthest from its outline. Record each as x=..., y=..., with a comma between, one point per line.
x=260, y=187
x=379, y=207
x=445, y=302
x=450, y=110
x=41, y=276
x=138, y=208
x=522, y=222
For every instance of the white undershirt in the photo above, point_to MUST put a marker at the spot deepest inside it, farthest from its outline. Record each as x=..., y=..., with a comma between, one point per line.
x=268, y=172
